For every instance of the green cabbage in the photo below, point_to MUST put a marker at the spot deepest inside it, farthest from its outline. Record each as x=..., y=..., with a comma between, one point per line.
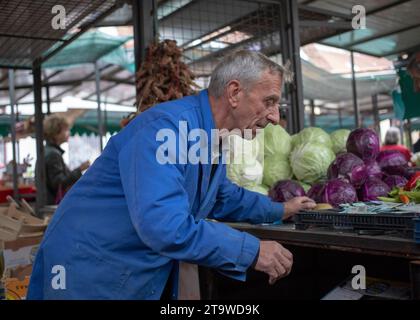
x=310, y=162
x=276, y=168
x=259, y=139
x=242, y=166
x=312, y=135
x=259, y=188
x=276, y=141
x=304, y=185
x=293, y=140
x=245, y=175
x=339, y=140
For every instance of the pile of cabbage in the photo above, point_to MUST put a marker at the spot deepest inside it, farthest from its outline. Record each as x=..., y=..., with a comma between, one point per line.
x=275, y=156
x=341, y=167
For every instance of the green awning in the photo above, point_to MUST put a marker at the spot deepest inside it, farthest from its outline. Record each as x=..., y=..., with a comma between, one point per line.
x=407, y=102
x=89, y=48
x=85, y=124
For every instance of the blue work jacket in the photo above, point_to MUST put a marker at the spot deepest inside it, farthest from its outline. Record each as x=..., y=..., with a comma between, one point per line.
x=123, y=227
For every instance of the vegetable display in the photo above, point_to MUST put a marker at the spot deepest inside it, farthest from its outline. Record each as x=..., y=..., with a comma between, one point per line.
x=312, y=135
x=276, y=168
x=364, y=143
x=316, y=192
x=339, y=140
x=372, y=189
x=243, y=167
x=310, y=162
x=285, y=190
x=373, y=169
x=395, y=181
x=348, y=166
x=338, y=191
x=340, y=168
x=277, y=142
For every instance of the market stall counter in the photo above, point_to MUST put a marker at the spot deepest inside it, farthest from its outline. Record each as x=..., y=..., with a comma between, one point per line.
x=322, y=260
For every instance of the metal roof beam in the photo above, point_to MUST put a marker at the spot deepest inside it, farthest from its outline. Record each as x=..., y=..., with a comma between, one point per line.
x=83, y=29
x=125, y=99
x=128, y=80
x=326, y=12
x=30, y=37
x=66, y=90
x=379, y=36
x=44, y=82
x=410, y=49
x=59, y=83
x=386, y=7
x=117, y=83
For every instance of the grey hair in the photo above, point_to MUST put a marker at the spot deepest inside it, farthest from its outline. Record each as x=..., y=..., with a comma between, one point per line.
x=392, y=136
x=245, y=66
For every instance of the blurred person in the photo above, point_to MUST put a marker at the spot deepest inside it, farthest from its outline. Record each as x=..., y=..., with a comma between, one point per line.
x=59, y=178
x=416, y=146
x=392, y=139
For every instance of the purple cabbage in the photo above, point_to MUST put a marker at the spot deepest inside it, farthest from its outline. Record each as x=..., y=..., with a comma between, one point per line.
x=285, y=190
x=391, y=158
x=316, y=192
x=364, y=143
x=350, y=167
x=403, y=171
x=372, y=189
x=373, y=169
x=393, y=162
x=395, y=181
x=338, y=191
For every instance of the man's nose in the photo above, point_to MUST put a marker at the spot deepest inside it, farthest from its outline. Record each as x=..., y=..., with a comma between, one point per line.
x=274, y=116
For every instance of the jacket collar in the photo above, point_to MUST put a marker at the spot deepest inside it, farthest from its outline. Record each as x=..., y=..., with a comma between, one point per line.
x=57, y=147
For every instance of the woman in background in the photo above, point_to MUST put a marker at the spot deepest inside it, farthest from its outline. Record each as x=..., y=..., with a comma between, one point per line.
x=59, y=178
x=392, y=138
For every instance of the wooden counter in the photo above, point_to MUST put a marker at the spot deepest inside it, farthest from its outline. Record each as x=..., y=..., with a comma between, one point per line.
x=322, y=259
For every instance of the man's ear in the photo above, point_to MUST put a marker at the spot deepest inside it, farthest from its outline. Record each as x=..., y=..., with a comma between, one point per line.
x=234, y=92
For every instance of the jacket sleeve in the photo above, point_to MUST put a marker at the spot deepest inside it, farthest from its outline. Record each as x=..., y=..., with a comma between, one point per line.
x=160, y=210
x=235, y=203
x=57, y=172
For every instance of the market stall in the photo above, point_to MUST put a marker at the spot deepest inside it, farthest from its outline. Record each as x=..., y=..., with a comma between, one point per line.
x=324, y=260
x=367, y=212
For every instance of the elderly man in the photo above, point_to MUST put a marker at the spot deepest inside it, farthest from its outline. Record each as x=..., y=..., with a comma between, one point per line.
x=123, y=229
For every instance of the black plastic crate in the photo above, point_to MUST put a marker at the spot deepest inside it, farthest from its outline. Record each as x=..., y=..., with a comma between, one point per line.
x=332, y=219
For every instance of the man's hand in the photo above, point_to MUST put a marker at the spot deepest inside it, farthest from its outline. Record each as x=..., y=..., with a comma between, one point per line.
x=274, y=260
x=294, y=205
x=84, y=165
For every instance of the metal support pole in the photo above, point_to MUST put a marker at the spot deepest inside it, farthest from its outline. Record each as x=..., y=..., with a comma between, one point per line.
x=98, y=99
x=376, y=119
x=40, y=181
x=47, y=95
x=290, y=17
x=297, y=101
x=402, y=132
x=409, y=132
x=312, y=113
x=285, y=55
x=340, y=118
x=353, y=83
x=13, y=132
x=145, y=27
